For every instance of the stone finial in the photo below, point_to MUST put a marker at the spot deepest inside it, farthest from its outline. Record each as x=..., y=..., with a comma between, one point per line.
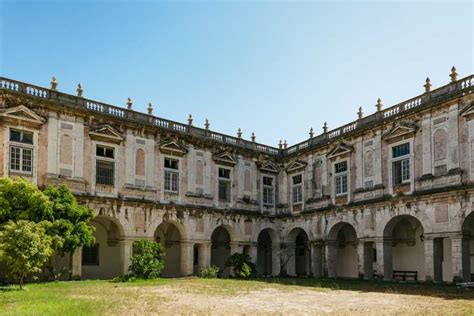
x=239, y=133
x=280, y=144
x=190, y=119
x=360, y=114
x=311, y=133
x=79, y=90
x=285, y=144
x=325, y=127
x=54, y=83
x=129, y=103
x=150, y=108
x=206, y=124
x=253, y=137
x=379, y=105
x=453, y=74
x=427, y=85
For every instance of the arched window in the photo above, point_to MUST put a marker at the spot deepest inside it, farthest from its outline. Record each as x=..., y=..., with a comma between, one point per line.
x=140, y=162
x=65, y=151
x=440, y=139
x=199, y=172
x=247, y=181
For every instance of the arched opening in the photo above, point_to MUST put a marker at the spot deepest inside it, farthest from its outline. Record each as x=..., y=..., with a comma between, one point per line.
x=467, y=249
x=220, y=249
x=265, y=253
x=343, y=240
x=103, y=260
x=169, y=236
x=404, y=253
x=298, y=253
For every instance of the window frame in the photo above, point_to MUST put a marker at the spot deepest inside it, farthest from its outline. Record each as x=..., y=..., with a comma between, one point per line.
x=401, y=159
x=272, y=191
x=171, y=186
x=106, y=160
x=298, y=187
x=341, y=176
x=22, y=147
x=227, y=181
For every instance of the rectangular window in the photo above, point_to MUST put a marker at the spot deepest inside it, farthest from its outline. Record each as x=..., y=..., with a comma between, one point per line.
x=21, y=137
x=102, y=151
x=401, y=164
x=297, y=189
x=104, y=173
x=90, y=255
x=21, y=159
x=340, y=178
x=267, y=191
x=224, y=184
x=171, y=175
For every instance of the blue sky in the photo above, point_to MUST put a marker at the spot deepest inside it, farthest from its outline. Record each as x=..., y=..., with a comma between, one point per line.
x=273, y=68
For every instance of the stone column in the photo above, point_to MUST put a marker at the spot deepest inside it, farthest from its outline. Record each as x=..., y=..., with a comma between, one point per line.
x=438, y=259
x=125, y=255
x=76, y=266
x=461, y=258
x=187, y=252
x=234, y=247
x=204, y=255
x=317, y=260
x=331, y=255
x=384, y=258
x=276, y=259
x=291, y=262
x=429, y=265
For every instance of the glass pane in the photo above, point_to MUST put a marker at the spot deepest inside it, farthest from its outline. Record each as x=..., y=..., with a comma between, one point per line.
x=15, y=136
x=401, y=150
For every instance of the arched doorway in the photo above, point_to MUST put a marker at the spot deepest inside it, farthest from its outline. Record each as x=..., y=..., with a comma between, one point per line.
x=343, y=251
x=468, y=248
x=103, y=259
x=298, y=253
x=220, y=249
x=267, y=260
x=170, y=237
x=404, y=253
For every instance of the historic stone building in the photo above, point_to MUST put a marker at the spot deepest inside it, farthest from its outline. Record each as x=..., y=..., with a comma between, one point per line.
x=388, y=195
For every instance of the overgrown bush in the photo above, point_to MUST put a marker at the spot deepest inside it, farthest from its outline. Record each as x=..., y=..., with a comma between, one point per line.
x=211, y=272
x=241, y=265
x=147, y=259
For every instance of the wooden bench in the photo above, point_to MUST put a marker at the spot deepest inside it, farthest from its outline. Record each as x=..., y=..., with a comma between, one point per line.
x=405, y=275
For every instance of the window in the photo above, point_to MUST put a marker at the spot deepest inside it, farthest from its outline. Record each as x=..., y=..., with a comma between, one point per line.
x=21, y=156
x=90, y=255
x=267, y=191
x=104, y=166
x=224, y=183
x=401, y=164
x=171, y=175
x=21, y=137
x=340, y=177
x=297, y=189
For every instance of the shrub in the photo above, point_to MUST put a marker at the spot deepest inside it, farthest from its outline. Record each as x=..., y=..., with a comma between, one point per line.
x=211, y=272
x=241, y=265
x=147, y=262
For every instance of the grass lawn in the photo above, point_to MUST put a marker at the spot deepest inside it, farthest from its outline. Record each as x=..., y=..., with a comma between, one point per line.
x=227, y=296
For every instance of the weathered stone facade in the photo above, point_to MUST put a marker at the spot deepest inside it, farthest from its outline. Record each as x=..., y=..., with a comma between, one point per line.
x=388, y=195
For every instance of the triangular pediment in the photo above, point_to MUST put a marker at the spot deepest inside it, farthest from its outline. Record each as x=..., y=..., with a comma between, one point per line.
x=268, y=166
x=295, y=165
x=173, y=147
x=22, y=114
x=225, y=158
x=468, y=111
x=400, y=129
x=340, y=149
x=106, y=133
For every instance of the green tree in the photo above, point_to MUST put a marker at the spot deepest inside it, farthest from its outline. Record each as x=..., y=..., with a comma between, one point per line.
x=21, y=199
x=24, y=247
x=70, y=228
x=241, y=265
x=147, y=259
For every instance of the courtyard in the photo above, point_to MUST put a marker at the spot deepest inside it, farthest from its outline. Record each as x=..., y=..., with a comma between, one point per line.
x=230, y=296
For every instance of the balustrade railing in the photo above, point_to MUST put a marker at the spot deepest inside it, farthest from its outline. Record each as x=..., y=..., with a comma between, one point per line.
x=390, y=113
